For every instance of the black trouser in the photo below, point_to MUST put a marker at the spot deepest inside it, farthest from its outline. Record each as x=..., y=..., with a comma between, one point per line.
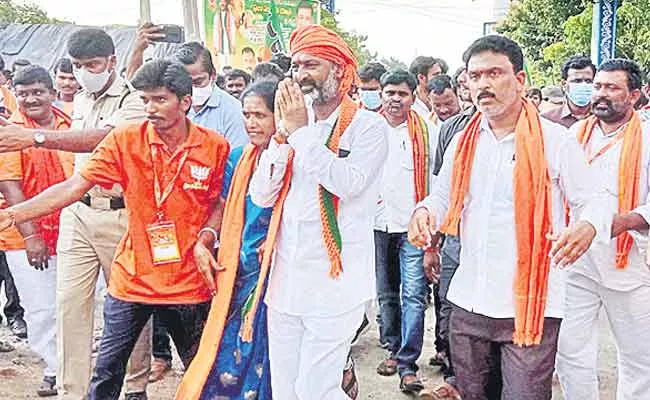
x=12, y=308
x=161, y=345
x=123, y=323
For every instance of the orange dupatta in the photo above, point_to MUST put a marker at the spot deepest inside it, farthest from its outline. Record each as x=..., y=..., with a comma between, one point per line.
x=629, y=176
x=532, y=203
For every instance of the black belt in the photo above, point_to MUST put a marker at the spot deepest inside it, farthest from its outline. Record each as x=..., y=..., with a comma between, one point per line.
x=103, y=203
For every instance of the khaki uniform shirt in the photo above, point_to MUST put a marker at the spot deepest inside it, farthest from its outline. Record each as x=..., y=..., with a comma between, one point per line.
x=119, y=105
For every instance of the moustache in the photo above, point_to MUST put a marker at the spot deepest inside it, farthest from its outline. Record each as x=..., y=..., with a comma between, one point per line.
x=484, y=95
x=602, y=100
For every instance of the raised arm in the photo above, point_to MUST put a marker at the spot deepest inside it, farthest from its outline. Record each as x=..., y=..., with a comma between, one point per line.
x=52, y=199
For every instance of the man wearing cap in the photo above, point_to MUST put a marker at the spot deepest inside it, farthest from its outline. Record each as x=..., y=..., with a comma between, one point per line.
x=322, y=176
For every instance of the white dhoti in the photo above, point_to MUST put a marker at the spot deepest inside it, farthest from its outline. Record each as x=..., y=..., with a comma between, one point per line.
x=628, y=313
x=37, y=291
x=308, y=354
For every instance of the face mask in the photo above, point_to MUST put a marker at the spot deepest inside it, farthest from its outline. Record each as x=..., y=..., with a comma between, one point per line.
x=580, y=93
x=200, y=95
x=370, y=98
x=90, y=81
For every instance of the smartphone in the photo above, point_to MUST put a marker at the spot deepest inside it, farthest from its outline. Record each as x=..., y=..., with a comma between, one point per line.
x=173, y=34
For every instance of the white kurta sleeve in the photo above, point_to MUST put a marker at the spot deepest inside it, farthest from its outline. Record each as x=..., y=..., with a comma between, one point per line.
x=345, y=177
x=266, y=181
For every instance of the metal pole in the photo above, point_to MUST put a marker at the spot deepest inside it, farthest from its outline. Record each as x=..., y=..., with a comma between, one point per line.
x=603, y=31
x=191, y=20
x=145, y=11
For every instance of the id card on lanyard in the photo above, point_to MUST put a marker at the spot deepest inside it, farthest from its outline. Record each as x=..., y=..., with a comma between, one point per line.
x=163, y=239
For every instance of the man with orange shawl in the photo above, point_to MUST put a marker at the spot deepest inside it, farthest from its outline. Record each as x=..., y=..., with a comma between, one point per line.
x=323, y=184
x=502, y=185
x=401, y=280
x=31, y=246
x=613, y=276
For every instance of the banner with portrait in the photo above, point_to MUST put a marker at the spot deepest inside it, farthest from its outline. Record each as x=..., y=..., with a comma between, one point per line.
x=242, y=33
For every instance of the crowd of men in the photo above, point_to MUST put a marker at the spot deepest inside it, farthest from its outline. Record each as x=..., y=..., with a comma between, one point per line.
x=257, y=219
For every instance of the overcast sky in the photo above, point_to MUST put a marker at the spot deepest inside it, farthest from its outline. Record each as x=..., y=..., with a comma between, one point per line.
x=398, y=28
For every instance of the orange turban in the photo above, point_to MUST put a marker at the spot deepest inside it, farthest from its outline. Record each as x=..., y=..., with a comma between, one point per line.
x=326, y=44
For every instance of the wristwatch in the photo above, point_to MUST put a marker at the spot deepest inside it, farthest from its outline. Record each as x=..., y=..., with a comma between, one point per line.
x=39, y=139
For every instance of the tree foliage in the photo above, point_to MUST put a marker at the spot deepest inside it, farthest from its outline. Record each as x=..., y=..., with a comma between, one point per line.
x=550, y=31
x=357, y=42
x=392, y=64
x=24, y=13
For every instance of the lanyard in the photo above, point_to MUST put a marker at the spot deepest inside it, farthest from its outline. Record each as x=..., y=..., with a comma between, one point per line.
x=619, y=136
x=159, y=195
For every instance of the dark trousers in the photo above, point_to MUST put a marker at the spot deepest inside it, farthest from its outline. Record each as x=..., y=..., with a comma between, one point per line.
x=161, y=348
x=480, y=344
x=12, y=308
x=449, y=256
x=123, y=322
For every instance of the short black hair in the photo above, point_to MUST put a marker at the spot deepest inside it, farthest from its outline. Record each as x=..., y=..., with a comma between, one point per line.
x=281, y=60
x=500, y=45
x=63, y=65
x=21, y=62
x=631, y=69
x=238, y=73
x=454, y=78
x=90, y=42
x=398, y=77
x=577, y=62
x=267, y=70
x=189, y=53
x=438, y=84
x=33, y=74
x=163, y=74
x=534, y=92
x=372, y=71
x=264, y=89
x=442, y=64
x=421, y=65
x=248, y=50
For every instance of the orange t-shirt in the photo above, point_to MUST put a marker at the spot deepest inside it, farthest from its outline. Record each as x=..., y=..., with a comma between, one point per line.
x=124, y=157
x=36, y=168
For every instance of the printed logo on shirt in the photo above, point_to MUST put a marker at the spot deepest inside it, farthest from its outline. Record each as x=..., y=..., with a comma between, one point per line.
x=200, y=174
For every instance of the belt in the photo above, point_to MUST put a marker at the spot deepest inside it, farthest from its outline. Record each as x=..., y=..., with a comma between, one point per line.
x=103, y=203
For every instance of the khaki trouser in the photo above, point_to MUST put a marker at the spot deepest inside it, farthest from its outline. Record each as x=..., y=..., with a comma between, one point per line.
x=87, y=242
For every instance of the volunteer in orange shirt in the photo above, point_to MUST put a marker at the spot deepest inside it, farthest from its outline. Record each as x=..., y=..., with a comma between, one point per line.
x=23, y=175
x=171, y=171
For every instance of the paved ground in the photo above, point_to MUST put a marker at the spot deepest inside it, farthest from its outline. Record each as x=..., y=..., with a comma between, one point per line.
x=20, y=371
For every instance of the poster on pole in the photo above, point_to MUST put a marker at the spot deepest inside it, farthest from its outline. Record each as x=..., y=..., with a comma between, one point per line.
x=242, y=33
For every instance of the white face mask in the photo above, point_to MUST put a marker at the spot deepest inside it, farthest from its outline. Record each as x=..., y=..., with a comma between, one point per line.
x=200, y=95
x=90, y=81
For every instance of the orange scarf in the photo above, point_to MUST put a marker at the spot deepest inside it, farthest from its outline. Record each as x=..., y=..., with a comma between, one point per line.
x=532, y=202
x=40, y=160
x=629, y=176
x=419, y=135
x=232, y=227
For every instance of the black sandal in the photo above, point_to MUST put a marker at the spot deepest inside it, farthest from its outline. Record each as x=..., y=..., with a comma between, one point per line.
x=411, y=388
x=48, y=387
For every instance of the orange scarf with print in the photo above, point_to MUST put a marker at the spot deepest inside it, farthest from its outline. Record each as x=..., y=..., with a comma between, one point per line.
x=532, y=203
x=629, y=176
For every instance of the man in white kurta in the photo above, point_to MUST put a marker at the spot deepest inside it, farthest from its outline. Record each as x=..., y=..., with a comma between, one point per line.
x=312, y=316
x=595, y=282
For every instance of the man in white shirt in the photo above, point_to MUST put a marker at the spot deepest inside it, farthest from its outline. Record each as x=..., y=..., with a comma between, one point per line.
x=424, y=69
x=325, y=182
x=401, y=281
x=612, y=275
x=502, y=185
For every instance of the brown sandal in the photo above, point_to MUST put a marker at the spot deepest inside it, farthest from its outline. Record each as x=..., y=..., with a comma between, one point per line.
x=444, y=391
x=387, y=367
x=350, y=385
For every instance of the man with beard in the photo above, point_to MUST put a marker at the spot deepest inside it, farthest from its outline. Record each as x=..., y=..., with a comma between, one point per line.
x=322, y=176
x=612, y=275
x=508, y=169
x=401, y=280
x=577, y=82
